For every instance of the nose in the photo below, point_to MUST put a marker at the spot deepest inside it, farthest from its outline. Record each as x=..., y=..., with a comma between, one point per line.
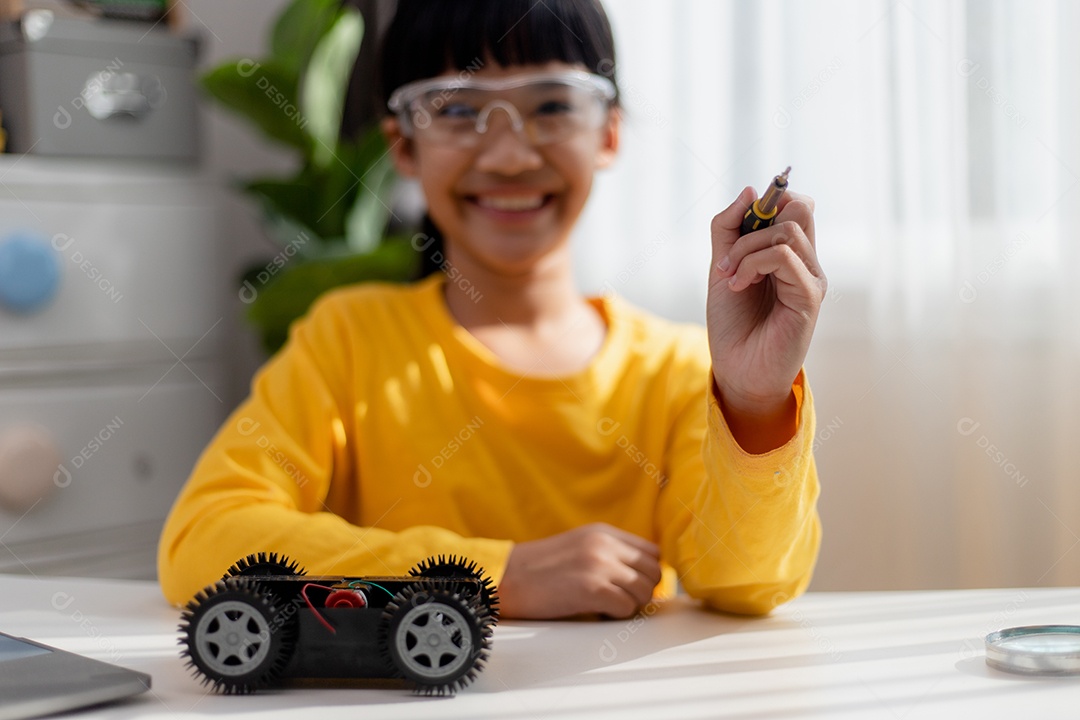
x=505, y=150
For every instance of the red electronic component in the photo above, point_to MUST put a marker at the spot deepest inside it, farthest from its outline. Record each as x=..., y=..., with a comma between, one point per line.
x=346, y=599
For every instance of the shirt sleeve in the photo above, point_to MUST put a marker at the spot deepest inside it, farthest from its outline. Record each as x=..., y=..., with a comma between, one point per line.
x=269, y=478
x=741, y=530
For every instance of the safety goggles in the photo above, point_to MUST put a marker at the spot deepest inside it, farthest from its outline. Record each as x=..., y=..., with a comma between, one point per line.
x=543, y=108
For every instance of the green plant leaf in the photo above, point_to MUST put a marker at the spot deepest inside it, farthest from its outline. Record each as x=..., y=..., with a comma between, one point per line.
x=289, y=202
x=325, y=81
x=292, y=235
x=264, y=94
x=318, y=198
x=329, y=216
x=370, y=213
x=298, y=31
x=290, y=293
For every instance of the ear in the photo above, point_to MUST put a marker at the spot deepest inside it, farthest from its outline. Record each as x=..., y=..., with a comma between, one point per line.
x=609, y=139
x=401, y=148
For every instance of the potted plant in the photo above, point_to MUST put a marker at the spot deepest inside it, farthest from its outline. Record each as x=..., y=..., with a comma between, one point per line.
x=329, y=218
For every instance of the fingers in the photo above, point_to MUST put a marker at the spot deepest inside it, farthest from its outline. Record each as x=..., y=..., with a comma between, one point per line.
x=800, y=210
x=637, y=575
x=593, y=569
x=726, y=225
x=629, y=538
x=796, y=286
x=769, y=246
x=637, y=585
x=620, y=590
x=789, y=197
x=794, y=225
x=793, y=229
x=624, y=569
x=616, y=601
x=646, y=565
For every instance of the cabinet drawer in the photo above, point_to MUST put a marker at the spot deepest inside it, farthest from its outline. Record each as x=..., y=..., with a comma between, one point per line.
x=77, y=459
x=108, y=255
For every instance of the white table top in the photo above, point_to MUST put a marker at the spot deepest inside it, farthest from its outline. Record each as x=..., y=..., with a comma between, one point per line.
x=893, y=655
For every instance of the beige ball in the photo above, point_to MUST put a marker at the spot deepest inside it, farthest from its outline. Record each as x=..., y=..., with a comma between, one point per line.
x=29, y=463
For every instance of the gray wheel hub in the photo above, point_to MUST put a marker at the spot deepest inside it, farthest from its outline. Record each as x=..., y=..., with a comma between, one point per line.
x=233, y=638
x=434, y=640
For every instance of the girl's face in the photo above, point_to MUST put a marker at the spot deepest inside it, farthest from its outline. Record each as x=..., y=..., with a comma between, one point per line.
x=505, y=204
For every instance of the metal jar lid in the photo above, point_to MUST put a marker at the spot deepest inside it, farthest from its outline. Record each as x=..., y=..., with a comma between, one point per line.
x=1035, y=650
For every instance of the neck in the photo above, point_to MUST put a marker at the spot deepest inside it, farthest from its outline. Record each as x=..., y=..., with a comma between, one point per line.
x=479, y=296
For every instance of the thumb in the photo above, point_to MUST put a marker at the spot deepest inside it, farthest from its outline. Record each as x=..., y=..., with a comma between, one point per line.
x=726, y=225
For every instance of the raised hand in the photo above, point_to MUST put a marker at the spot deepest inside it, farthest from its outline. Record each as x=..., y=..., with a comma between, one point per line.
x=765, y=293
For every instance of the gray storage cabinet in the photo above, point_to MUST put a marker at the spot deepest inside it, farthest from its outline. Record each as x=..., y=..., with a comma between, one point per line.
x=74, y=88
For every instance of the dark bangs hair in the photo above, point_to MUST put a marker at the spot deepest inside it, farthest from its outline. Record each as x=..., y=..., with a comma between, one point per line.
x=429, y=37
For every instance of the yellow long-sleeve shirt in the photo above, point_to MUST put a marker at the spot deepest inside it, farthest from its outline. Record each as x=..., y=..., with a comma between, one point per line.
x=384, y=433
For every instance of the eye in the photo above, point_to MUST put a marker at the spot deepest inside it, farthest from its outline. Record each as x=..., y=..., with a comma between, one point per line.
x=554, y=107
x=457, y=110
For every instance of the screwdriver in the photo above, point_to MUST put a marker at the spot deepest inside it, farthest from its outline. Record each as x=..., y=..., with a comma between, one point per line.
x=762, y=213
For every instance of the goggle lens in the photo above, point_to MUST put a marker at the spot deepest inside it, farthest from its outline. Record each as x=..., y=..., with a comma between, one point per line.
x=545, y=112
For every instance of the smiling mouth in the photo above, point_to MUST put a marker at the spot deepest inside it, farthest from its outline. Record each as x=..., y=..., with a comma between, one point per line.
x=511, y=204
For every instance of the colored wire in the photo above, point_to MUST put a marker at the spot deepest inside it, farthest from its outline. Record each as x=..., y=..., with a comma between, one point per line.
x=319, y=617
x=354, y=583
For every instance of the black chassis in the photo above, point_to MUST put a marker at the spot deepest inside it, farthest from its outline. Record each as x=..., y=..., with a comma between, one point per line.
x=266, y=622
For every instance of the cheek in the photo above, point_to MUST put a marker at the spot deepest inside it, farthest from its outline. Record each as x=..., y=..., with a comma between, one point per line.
x=438, y=172
x=578, y=172
x=579, y=159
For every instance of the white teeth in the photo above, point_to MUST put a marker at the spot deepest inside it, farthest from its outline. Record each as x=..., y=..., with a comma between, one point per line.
x=512, y=204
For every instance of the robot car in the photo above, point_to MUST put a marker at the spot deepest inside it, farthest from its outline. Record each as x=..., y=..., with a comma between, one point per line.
x=266, y=622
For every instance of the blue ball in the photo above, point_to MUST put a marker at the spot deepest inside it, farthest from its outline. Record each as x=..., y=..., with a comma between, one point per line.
x=29, y=272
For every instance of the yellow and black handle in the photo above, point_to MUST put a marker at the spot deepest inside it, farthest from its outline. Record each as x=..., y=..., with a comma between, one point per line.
x=763, y=211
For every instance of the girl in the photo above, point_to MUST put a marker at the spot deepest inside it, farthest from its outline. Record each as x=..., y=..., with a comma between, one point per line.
x=584, y=452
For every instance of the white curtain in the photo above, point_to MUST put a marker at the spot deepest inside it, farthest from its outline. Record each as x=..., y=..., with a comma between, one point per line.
x=941, y=141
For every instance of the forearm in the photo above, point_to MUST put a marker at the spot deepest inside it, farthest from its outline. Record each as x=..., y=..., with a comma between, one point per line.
x=765, y=559
x=748, y=532
x=199, y=545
